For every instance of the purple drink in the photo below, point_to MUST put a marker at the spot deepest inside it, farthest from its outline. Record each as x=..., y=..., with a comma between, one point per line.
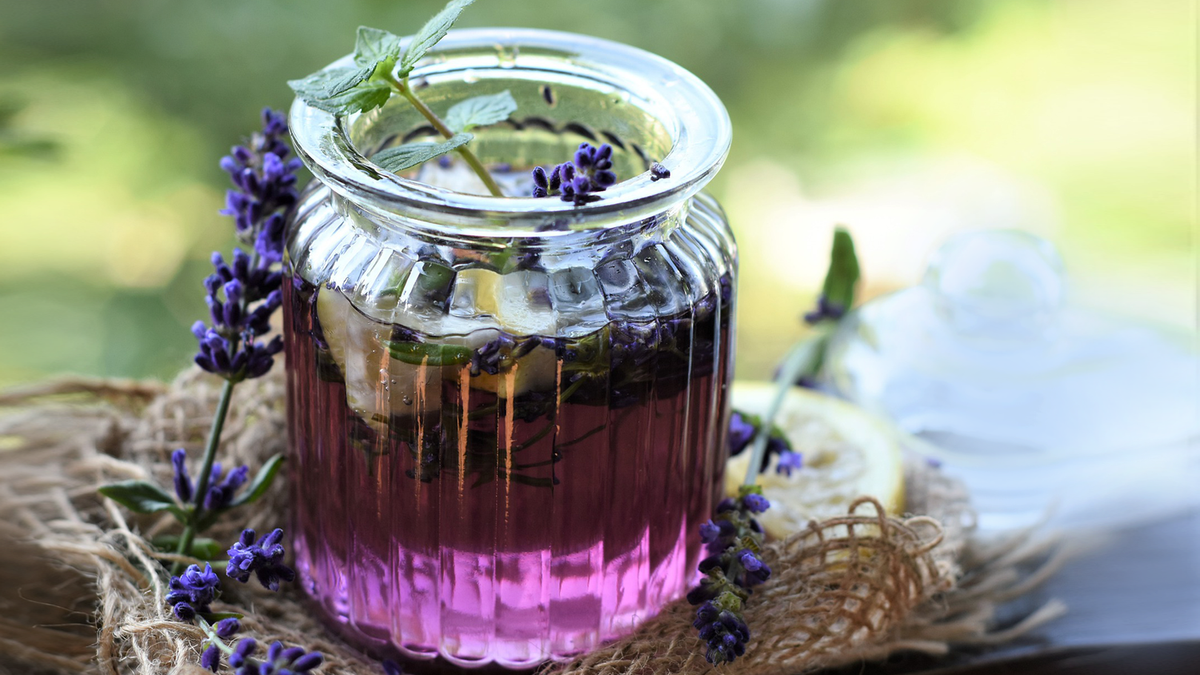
x=495, y=498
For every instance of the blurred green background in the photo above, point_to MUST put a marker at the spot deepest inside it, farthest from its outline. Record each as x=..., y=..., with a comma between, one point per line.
x=906, y=120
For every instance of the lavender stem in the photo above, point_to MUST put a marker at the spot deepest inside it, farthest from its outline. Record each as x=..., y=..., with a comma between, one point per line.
x=210, y=455
x=801, y=358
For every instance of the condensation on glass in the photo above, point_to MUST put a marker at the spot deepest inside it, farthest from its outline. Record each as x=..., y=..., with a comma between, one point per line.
x=505, y=413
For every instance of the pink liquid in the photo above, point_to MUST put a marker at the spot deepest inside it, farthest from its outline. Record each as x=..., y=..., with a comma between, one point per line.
x=529, y=539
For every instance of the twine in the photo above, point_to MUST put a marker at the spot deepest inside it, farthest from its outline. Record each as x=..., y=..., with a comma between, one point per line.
x=80, y=575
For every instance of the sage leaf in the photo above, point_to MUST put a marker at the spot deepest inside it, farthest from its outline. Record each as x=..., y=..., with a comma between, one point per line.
x=373, y=46
x=420, y=353
x=481, y=111
x=407, y=156
x=142, y=497
x=431, y=33
x=843, y=272
x=262, y=481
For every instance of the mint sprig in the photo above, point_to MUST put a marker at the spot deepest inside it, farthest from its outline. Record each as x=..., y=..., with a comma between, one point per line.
x=381, y=67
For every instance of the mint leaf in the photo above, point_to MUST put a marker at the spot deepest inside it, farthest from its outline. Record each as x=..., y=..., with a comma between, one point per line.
x=364, y=97
x=481, y=111
x=407, y=156
x=262, y=481
x=431, y=33
x=330, y=82
x=142, y=497
x=374, y=46
x=420, y=353
x=843, y=271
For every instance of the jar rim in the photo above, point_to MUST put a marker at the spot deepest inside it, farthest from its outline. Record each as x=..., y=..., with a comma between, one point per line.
x=695, y=119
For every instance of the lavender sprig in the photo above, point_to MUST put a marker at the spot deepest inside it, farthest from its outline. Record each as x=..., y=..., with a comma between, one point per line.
x=733, y=540
x=192, y=592
x=577, y=181
x=278, y=661
x=263, y=558
x=242, y=296
x=744, y=427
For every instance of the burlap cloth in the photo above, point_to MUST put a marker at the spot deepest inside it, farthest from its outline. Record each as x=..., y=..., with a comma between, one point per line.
x=79, y=592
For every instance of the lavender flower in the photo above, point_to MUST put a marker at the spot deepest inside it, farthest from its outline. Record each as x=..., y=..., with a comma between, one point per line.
x=724, y=631
x=264, y=558
x=789, y=461
x=279, y=661
x=825, y=310
x=183, y=480
x=221, y=491
x=390, y=667
x=264, y=180
x=733, y=540
x=192, y=592
x=226, y=628
x=578, y=181
x=659, y=172
x=211, y=658
x=220, y=494
x=742, y=430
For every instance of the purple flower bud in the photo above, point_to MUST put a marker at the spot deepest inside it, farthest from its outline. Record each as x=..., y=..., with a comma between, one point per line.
x=756, y=503
x=211, y=658
x=709, y=532
x=263, y=558
x=183, y=481
x=184, y=611
x=226, y=628
x=788, y=462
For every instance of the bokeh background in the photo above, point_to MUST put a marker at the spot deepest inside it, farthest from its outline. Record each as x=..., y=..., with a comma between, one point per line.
x=906, y=120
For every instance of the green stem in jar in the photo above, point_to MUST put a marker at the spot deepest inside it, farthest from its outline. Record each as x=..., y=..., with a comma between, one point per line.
x=210, y=455
x=403, y=88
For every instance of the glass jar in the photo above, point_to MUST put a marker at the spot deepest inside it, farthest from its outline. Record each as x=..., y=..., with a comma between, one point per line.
x=506, y=413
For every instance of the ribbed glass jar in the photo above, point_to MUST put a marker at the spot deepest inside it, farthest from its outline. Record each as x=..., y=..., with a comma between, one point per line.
x=505, y=413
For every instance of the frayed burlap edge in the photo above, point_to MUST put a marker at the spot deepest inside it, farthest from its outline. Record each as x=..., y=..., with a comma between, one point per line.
x=861, y=586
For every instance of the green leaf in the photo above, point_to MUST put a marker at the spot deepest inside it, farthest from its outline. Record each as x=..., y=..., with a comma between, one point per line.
x=417, y=353
x=142, y=497
x=365, y=97
x=407, y=156
x=843, y=272
x=202, y=547
x=330, y=82
x=431, y=33
x=481, y=111
x=262, y=481
x=373, y=46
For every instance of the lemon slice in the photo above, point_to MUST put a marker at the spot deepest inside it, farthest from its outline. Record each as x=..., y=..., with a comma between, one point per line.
x=847, y=453
x=507, y=300
x=377, y=385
